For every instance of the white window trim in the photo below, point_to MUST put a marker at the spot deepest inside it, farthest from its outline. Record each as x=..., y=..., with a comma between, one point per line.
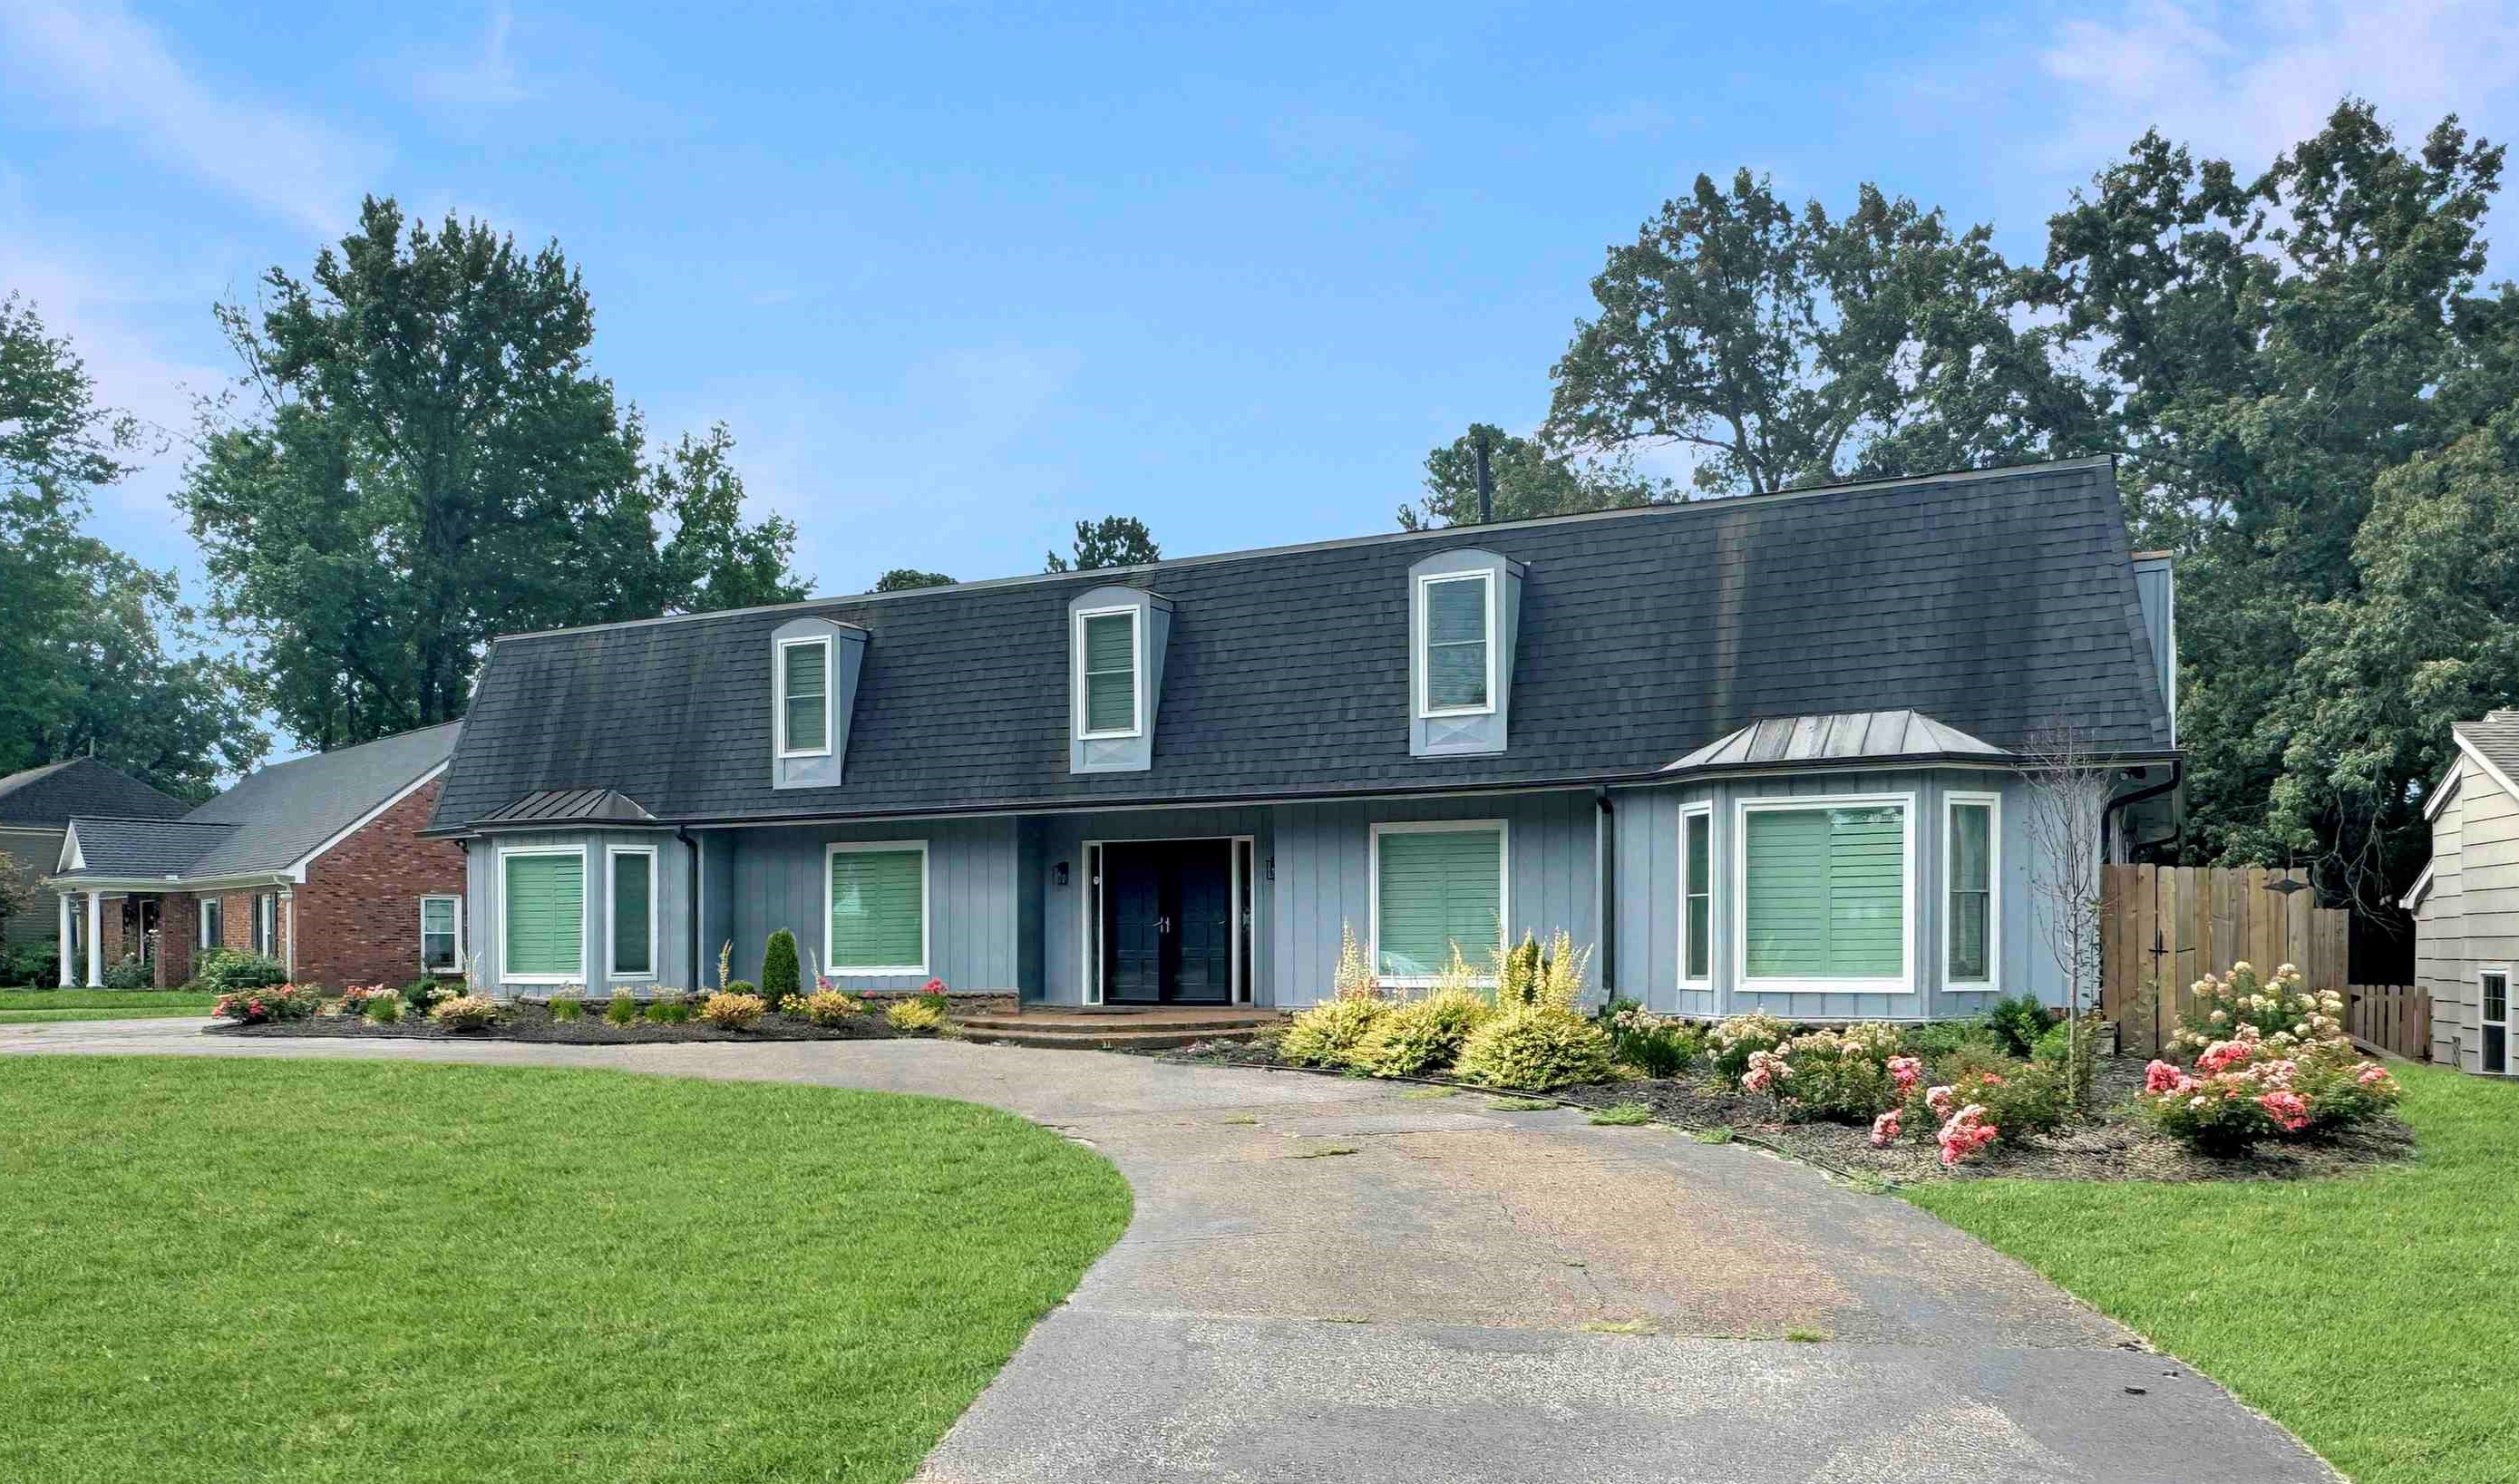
x=926, y=908
x=585, y=874
x=1425, y=583
x=455, y=967
x=1136, y=727
x=1705, y=811
x=779, y=694
x=266, y=924
x=611, y=935
x=1993, y=803
x=1373, y=892
x=213, y=906
x=2510, y=1051
x=1742, y=811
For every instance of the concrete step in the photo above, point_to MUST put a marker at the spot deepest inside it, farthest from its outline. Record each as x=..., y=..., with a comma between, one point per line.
x=1119, y=1037
x=1072, y=1023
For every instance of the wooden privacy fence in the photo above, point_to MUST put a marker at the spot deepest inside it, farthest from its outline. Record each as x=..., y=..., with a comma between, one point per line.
x=2163, y=928
x=2394, y=1018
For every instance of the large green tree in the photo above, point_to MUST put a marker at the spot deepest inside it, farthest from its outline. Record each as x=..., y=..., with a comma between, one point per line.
x=1114, y=541
x=1528, y=478
x=2279, y=345
x=905, y=579
x=1782, y=347
x=86, y=665
x=419, y=456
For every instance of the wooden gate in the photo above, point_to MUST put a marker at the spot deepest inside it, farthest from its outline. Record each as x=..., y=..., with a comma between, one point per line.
x=2163, y=928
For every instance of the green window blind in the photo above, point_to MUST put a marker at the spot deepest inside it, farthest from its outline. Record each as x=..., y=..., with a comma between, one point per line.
x=878, y=909
x=808, y=685
x=1971, y=867
x=1701, y=896
x=1436, y=888
x=1456, y=643
x=545, y=929
x=634, y=889
x=1826, y=894
x=1111, y=673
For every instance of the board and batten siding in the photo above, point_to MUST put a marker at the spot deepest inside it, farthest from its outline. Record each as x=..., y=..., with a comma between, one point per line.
x=1324, y=877
x=2470, y=920
x=776, y=879
x=481, y=915
x=1650, y=910
x=1061, y=910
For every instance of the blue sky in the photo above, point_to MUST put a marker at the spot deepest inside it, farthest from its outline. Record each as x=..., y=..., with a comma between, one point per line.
x=957, y=276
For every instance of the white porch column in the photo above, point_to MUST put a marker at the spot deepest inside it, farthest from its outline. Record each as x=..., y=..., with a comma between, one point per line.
x=68, y=923
x=96, y=940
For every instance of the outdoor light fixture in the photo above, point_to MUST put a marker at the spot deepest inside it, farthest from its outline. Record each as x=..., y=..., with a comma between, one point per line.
x=2286, y=886
x=1060, y=872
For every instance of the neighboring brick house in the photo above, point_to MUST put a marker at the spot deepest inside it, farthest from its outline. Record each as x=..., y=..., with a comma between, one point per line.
x=35, y=810
x=314, y=861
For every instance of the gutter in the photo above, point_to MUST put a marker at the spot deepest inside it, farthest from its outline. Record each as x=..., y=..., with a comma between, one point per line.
x=2177, y=776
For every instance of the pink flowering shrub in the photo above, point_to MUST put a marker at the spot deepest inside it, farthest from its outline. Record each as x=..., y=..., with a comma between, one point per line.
x=271, y=1002
x=2246, y=1090
x=1743, y=1036
x=1840, y=1074
x=1966, y=1133
x=1884, y=1129
x=2280, y=1011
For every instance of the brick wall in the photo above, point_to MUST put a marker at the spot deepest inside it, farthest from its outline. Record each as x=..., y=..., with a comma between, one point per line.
x=358, y=914
x=178, y=937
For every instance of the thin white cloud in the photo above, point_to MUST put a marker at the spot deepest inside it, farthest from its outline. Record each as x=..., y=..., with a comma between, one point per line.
x=117, y=73
x=489, y=79
x=2244, y=82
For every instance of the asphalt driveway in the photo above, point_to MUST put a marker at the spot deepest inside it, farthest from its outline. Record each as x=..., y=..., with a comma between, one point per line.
x=1333, y=1280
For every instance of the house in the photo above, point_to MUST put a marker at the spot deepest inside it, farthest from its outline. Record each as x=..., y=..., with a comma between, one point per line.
x=1756, y=750
x=35, y=809
x=316, y=861
x=2466, y=902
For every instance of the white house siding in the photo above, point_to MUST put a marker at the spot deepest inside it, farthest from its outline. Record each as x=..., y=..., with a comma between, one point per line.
x=2470, y=920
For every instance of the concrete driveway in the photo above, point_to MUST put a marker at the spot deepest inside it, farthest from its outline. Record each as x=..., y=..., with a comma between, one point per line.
x=1330, y=1280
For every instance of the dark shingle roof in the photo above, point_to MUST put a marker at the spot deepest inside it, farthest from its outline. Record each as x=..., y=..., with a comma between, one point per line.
x=47, y=797
x=1996, y=602
x=123, y=849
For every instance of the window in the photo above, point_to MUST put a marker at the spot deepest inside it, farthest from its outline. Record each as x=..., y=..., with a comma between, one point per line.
x=2495, y=987
x=1106, y=661
x=1457, y=616
x=1823, y=898
x=214, y=924
x=1436, y=887
x=1697, y=895
x=542, y=933
x=804, y=698
x=441, y=935
x=634, y=912
x=1971, y=864
x=878, y=909
x=266, y=924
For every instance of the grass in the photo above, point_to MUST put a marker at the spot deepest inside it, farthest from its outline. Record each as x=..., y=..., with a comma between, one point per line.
x=1720, y=1134
x=1322, y=1152
x=20, y=1007
x=1521, y=1104
x=1621, y=1116
x=2375, y=1315
x=301, y=1271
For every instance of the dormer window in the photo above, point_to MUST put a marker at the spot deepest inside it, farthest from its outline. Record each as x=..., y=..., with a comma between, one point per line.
x=1106, y=667
x=1457, y=617
x=805, y=697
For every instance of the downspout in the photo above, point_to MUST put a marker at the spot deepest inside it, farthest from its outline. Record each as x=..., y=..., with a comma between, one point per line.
x=2139, y=796
x=684, y=833
x=1604, y=880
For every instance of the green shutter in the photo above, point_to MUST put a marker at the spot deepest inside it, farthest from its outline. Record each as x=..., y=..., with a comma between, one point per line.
x=1436, y=888
x=633, y=887
x=878, y=909
x=807, y=686
x=1456, y=643
x=1971, y=892
x=545, y=900
x=1826, y=895
x=1701, y=896
x=1110, y=673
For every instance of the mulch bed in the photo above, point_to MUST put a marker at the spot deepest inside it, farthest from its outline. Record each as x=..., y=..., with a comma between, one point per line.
x=2115, y=1145
x=591, y=1029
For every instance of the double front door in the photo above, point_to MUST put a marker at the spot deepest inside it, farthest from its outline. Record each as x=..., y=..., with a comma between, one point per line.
x=1168, y=913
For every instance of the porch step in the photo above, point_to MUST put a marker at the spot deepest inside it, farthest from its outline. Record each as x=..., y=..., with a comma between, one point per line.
x=1149, y=1030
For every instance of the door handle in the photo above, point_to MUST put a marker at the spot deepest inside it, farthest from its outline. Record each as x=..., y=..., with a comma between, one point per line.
x=1162, y=925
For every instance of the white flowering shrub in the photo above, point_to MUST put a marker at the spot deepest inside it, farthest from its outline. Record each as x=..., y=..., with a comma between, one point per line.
x=2282, y=1011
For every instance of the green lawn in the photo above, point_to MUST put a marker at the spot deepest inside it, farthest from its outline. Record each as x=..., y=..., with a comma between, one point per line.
x=276, y=1270
x=2375, y=1316
x=20, y=1006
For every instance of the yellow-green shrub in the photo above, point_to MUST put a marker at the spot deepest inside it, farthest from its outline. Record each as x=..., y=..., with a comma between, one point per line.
x=825, y=1007
x=918, y=1015
x=1552, y=977
x=465, y=1012
x=732, y=1011
x=1537, y=1047
x=1328, y=1034
x=1421, y=1035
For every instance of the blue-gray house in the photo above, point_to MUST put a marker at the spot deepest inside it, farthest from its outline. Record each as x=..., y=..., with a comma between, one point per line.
x=1757, y=751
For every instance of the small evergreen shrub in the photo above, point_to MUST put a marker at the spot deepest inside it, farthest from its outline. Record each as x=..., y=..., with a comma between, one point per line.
x=1421, y=1035
x=742, y=986
x=622, y=1009
x=566, y=1007
x=1537, y=1048
x=733, y=1009
x=465, y=1012
x=130, y=972
x=1328, y=1034
x=385, y=1010
x=1935, y=1039
x=1658, y=1046
x=671, y=1007
x=781, y=975
x=919, y=1015
x=224, y=971
x=2017, y=1022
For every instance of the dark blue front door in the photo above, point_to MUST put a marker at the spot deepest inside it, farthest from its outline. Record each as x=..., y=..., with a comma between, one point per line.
x=1168, y=922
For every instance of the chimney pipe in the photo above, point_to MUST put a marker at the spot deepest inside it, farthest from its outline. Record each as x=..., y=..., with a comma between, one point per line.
x=1486, y=480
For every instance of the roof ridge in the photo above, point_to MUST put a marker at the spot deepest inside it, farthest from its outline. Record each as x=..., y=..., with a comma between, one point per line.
x=1120, y=575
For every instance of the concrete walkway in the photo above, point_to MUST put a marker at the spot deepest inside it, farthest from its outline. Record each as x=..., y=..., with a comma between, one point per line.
x=1330, y=1279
